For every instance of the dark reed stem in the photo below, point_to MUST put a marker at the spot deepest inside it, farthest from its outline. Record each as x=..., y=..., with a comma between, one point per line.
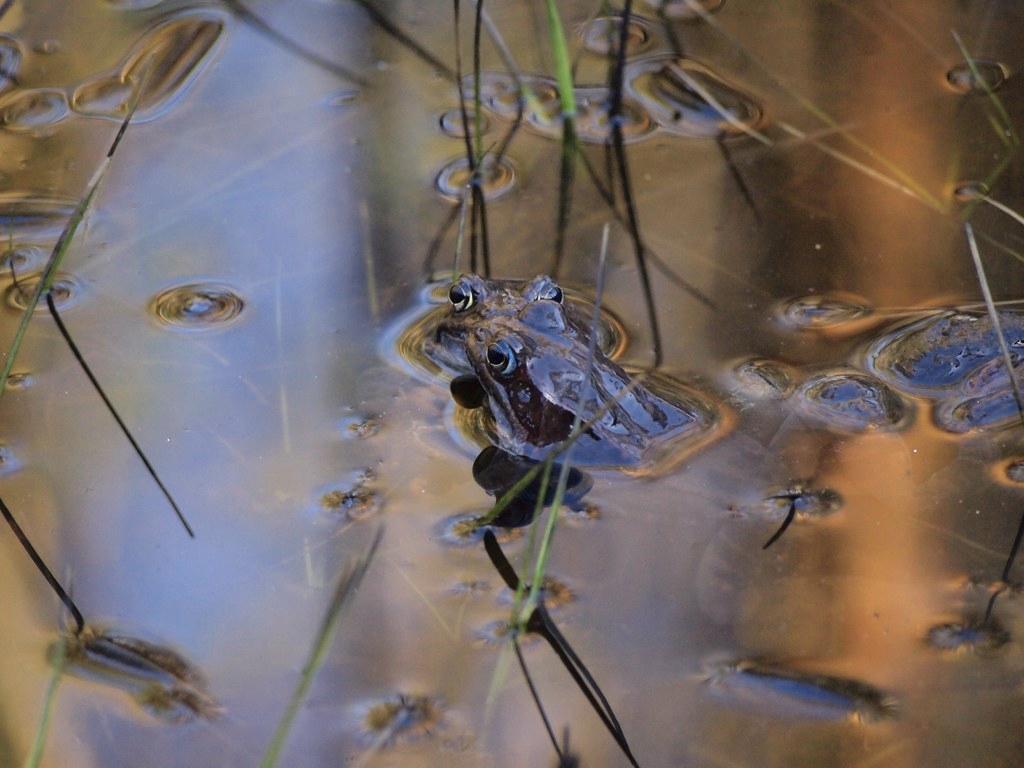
x=618, y=144
x=292, y=46
x=536, y=699
x=113, y=412
x=65, y=598
x=790, y=515
x=540, y=623
x=393, y=30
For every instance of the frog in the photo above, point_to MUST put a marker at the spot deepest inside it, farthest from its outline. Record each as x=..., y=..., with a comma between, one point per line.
x=474, y=301
x=528, y=353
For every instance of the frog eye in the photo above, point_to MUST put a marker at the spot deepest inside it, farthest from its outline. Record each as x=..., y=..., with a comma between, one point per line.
x=501, y=357
x=461, y=296
x=550, y=292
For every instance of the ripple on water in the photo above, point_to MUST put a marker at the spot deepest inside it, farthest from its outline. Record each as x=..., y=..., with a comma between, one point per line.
x=451, y=122
x=34, y=110
x=676, y=91
x=992, y=411
x=498, y=178
x=969, y=191
x=602, y=35
x=65, y=291
x=807, y=502
x=8, y=461
x=972, y=636
x=197, y=306
x=592, y=123
x=820, y=311
x=499, y=93
x=20, y=380
x=20, y=259
x=10, y=60
x=133, y=5
x=167, y=58
x=853, y=401
x=939, y=355
x=762, y=379
x=34, y=217
x=685, y=10
x=1011, y=470
x=964, y=79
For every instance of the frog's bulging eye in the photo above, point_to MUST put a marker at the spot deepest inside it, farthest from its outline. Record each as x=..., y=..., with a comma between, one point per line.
x=461, y=296
x=551, y=292
x=501, y=357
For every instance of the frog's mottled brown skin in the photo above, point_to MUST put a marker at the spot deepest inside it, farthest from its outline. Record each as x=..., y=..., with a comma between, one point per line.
x=529, y=352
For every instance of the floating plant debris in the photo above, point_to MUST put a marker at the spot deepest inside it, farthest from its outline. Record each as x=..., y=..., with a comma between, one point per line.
x=463, y=530
x=159, y=679
x=20, y=380
x=822, y=310
x=853, y=401
x=807, y=502
x=964, y=79
x=197, y=306
x=403, y=718
x=556, y=593
x=675, y=93
x=974, y=636
x=358, y=500
x=763, y=379
x=360, y=427
x=788, y=693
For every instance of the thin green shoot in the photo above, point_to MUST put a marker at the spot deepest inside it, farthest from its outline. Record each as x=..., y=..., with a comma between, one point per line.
x=993, y=316
x=349, y=580
x=520, y=485
x=544, y=555
x=460, y=235
x=1007, y=131
x=60, y=249
x=59, y=661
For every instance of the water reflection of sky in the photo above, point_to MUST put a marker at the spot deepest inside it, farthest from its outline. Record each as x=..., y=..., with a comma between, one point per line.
x=318, y=214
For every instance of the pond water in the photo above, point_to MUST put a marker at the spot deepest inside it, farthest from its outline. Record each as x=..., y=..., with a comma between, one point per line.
x=255, y=255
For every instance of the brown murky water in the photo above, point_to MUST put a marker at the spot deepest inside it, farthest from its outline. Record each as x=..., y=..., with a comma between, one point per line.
x=255, y=254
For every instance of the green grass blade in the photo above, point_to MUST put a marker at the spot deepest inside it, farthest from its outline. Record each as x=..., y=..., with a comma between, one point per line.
x=349, y=580
x=39, y=742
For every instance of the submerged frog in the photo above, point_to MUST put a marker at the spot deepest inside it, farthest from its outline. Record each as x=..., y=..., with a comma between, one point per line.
x=529, y=355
